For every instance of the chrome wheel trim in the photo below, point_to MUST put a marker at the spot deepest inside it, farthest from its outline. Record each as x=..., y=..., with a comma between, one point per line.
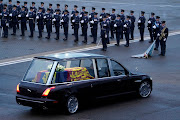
x=145, y=89
x=72, y=104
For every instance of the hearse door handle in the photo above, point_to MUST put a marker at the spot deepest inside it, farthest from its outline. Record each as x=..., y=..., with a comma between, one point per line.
x=119, y=80
x=91, y=85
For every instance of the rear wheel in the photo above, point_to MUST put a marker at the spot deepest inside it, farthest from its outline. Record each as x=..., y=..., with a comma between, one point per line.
x=145, y=89
x=72, y=104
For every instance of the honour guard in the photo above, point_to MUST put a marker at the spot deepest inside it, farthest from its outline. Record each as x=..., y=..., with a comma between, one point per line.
x=141, y=25
x=133, y=19
x=81, y=17
x=5, y=22
x=104, y=36
x=65, y=9
x=126, y=28
x=26, y=8
x=34, y=10
x=31, y=16
x=10, y=6
x=14, y=17
x=91, y=16
x=48, y=22
x=58, y=9
x=65, y=23
x=42, y=7
x=1, y=6
x=102, y=15
x=40, y=19
x=150, y=26
x=18, y=10
x=22, y=17
x=163, y=38
x=84, y=23
x=50, y=7
x=108, y=20
x=56, y=22
x=76, y=26
x=118, y=28
x=113, y=17
x=157, y=31
x=94, y=23
x=122, y=19
x=73, y=16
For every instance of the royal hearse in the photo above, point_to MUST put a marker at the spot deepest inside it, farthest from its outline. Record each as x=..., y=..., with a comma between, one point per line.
x=64, y=80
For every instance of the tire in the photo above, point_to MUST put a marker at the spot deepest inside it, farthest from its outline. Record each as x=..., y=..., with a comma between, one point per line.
x=145, y=89
x=72, y=104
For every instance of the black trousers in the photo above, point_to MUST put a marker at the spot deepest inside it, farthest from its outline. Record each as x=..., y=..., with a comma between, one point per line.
x=151, y=34
x=85, y=33
x=57, y=31
x=14, y=24
x=127, y=38
x=76, y=33
x=132, y=33
x=121, y=35
x=104, y=41
x=112, y=31
x=40, y=27
x=5, y=29
x=118, y=37
x=94, y=35
x=157, y=43
x=31, y=27
x=142, y=33
x=23, y=24
x=163, y=46
x=108, y=37
x=66, y=32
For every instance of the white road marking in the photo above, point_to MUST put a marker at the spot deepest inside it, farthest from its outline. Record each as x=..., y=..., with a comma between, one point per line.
x=77, y=50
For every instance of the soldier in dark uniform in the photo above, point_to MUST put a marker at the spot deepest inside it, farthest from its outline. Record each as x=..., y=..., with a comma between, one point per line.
x=35, y=11
x=42, y=7
x=94, y=22
x=91, y=16
x=48, y=22
x=84, y=23
x=4, y=22
x=31, y=16
x=56, y=21
x=65, y=23
x=65, y=9
x=22, y=16
x=1, y=8
x=73, y=16
x=141, y=25
x=40, y=21
x=14, y=19
x=102, y=15
x=157, y=31
x=10, y=12
x=113, y=17
x=163, y=38
x=126, y=28
x=81, y=17
x=18, y=10
x=118, y=28
x=133, y=19
x=58, y=9
x=122, y=19
x=76, y=26
x=108, y=20
x=50, y=7
x=104, y=27
x=150, y=25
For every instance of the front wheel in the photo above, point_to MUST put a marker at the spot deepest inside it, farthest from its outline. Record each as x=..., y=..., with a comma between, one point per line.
x=72, y=104
x=145, y=89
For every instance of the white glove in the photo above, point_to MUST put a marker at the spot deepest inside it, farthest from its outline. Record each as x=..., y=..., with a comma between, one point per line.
x=164, y=39
x=125, y=25
x=7, y=24
x=62, y=20
x=105, y=36
x=95, y=19
x=109, y=17
x=27, y=15
x=80, y=15
x=54, y=19
x=158, y=34
x=62, y=15
x=149, y=22
x=19, y=15
x=89, y=16
x=82, y=21
x=0, y=14
x=105, y=25
x=139, y=21
x=54, y=13
x=115, y=25
x=73, y=20
x=37, y=17
x=10, y=14
x=100, y=17
x=92, y=22
x=44, y=17
x=71, y=15
x=154, y=27
x=5, y=14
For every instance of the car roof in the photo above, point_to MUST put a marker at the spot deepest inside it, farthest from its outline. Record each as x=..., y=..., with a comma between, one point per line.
x=62, y=56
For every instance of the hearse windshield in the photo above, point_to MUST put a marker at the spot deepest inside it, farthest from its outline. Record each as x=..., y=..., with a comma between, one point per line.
x=39, y=71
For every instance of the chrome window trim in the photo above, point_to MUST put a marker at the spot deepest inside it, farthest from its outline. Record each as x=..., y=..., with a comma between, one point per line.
x=95, y=68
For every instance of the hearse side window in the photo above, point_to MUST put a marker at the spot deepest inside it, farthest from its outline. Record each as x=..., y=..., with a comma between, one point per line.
x=75, y=63
x=88, y=64
x=117, y=68
x=102, y=68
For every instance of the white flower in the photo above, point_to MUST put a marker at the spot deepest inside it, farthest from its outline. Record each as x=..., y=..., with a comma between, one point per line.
x=60, y=68
x=49, y=67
